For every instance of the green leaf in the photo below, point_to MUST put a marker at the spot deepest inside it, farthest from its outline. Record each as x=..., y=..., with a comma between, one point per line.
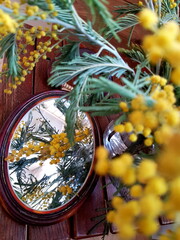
x=95, y=108
x=68, y=52
x=123, y=23
x=6, y=43
x=136, y=53
x=104, y=85
x=8, y=48
x=127, y=8
x=88, y=65
x=97, y=7
x=71, y=117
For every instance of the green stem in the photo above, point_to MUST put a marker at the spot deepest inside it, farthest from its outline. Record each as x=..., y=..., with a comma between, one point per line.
x=130, y=36
x=151, y=5
x=159, y=8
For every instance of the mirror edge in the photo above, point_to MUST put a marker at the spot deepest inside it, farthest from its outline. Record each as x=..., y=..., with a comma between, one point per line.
x=10, y=203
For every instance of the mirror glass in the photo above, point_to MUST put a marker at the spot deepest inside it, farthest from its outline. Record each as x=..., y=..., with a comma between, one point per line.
x=45, y=171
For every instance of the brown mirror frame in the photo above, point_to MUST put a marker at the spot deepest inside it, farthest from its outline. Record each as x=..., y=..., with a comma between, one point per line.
x=12, y=204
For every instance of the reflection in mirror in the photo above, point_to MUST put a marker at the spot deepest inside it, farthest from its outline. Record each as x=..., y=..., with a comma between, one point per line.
x=45, y=171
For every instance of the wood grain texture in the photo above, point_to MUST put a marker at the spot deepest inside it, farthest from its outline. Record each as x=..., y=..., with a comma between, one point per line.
x=42, y=70
x=91, y=208
x=82, y=222
x=9, y=102
x=116, y=237
x=9, y=229
x=59, y=231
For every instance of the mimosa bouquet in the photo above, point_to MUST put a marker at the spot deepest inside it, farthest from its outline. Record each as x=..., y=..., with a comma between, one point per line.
x=146, y=95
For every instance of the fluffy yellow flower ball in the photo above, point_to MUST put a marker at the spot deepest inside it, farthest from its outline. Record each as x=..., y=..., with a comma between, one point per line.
x=102, y=167
x=146, y=170
x=102, y=164
x=116, y=202
x=117, y=168
x=148, y=226
x=156, y=185
x=148, y=19
x=7, y=23
x=175, y=76
x=136, y=191
x=101, y=152
x=151, y=206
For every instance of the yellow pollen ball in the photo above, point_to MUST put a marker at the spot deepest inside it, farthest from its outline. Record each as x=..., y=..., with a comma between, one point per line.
x=148, y=142
x=119, y=128
x=139, y=128
x=128, y=127
x=116, y=202
x=146, y=170
x=136, y=191
x=124, y=106
x=140, y=3
x=175, y=76
x=136, y=118
x=148, y=18
x=127, y=159
x=155, y=54
x=157, y=186
x=110, y=216
x=133, y=137
x=129, y=177
x=117, y=168
x=146, y=132
x=151, y=205
x=173, y=54
x=102, y=166
x=148, y=226
x=148, y=42
x=102, y=153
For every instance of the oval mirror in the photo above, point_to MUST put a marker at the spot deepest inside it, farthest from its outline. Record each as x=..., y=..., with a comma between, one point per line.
x=44, y=178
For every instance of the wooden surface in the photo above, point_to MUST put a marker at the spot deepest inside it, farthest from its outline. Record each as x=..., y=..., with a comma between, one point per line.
x=77, y=226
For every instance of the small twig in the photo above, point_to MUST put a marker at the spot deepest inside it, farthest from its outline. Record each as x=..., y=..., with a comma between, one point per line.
x=158, y=65
x=151, y=5
x=159, y=8
x=38, y=109
x=130, y=36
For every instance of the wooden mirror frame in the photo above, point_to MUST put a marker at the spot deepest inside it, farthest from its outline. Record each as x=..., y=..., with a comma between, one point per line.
x=12, y=204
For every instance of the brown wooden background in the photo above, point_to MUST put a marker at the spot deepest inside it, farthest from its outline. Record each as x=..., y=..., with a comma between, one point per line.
x=78, y=225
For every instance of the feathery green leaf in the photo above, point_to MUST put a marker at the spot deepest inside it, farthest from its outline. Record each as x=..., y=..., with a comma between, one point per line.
x=123, y=23
x=88, y=65
x=127, y=8
x=8, y=48
x=97, y=7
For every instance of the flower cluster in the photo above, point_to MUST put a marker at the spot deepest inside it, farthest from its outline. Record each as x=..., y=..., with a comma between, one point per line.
x=164, y=44
x=65, y=189
x=154, y=186
x=155, y=183
x=27, y=58
x=154, y=122
x=8, y=24
x=37, y=193
x=148, y=19
x=53, y=150
x=13, y=22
